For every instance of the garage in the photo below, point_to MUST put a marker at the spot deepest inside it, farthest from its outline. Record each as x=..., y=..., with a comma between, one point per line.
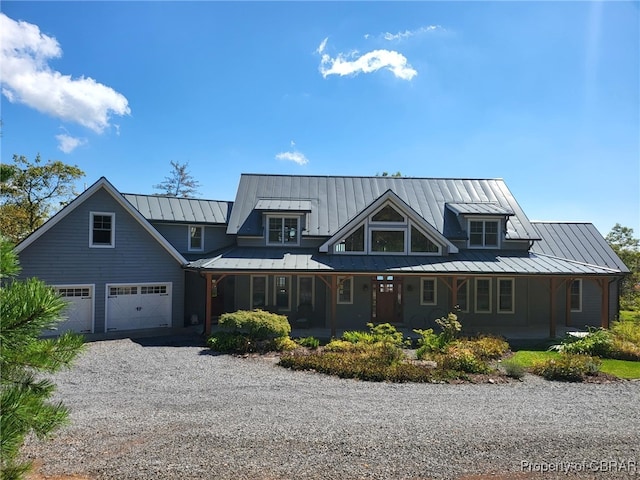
x=79, y=311
x=138, y=306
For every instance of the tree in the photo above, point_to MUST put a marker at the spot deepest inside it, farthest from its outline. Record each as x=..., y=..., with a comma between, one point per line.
x=26, y=308
x=179, y=183
x=626, y=246
x=386, y=174
x=30, y=192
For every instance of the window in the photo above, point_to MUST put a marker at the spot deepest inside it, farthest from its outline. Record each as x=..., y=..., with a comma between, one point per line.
x=387, y=214
x=73, y=292
x=352, y=243
x=483, y=295
x=420, y=243
x=258, y=291
x=483, y=233
x=196, y=238
x=153, y=289
x=281, y=292
x=305, y=291
x=463, y=296
x=345, y=290
x=387, y=241
x=114, y=291
x=428, y=291
x=101, y=233
x=282, y=230
x=575, y=296
x=506, y=295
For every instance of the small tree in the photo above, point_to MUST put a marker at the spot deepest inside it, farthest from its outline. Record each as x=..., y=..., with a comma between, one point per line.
x=30, y=192
x=622, y=241
x=179, y=183
x=26, y=308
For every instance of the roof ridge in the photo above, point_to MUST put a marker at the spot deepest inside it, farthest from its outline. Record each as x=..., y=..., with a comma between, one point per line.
x=291, y=175
x=178, y=198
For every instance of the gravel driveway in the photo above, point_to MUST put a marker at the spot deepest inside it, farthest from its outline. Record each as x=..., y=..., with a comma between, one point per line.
x=153, y=409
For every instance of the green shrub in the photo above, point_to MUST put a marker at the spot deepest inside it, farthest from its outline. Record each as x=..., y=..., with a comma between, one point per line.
x=282, y=344
x=567, y=367
x=487, y=347
x=462, y=359
x=383, y=332
x=625, y=350
x=343, y=346
x=450, y=326
x=356, y=336
x=309, y=342
x=257, y=324
x=598, y=342
x=628, y=330
x=513, y=369
x=229, y=342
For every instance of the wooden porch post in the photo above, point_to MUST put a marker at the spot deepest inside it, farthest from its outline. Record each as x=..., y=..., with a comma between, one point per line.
x=552, y=317
x=568, y=303
x=334, y=299
x=604, y=304
x=454, y=293
x=207, y=311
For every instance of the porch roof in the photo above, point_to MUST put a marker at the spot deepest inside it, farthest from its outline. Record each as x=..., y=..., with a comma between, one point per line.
x=245, y=259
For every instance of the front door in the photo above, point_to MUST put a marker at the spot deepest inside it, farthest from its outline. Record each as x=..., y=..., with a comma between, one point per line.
x=387, y=299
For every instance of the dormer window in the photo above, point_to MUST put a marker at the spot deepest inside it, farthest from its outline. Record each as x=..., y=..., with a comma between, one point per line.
x=283, y=230
x=483, y=233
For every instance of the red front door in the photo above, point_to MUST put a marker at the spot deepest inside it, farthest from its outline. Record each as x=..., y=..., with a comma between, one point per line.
x=387, y=299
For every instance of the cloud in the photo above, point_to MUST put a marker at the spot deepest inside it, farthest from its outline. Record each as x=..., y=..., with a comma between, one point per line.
x=352, y=64
x=410, y=33
x=27, y=78
x=67, y=143
x=293, y=156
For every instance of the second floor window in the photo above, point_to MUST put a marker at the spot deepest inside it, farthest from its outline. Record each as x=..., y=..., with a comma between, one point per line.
x=283, y=230
x=196, y=238
x=483, y=233
x=102, y=232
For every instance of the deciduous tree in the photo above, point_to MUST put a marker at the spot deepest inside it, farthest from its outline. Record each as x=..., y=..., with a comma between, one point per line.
x=626, y=246
x=31, y=191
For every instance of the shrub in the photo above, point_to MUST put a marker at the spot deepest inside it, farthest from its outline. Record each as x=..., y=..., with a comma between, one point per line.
x=343, y=346
x=229, y=342
x=628, y=330
x=568, y=367
x=383, y=332
x=257, y=324
x=355, y=336
x=309, y=342
x=487, y=347
x=283, y=344
x=625, y=350
x=513, y=369
x=462, y=359
x=450, y=327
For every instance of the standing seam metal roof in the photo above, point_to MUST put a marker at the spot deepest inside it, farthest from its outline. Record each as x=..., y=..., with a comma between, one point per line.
x=176, y=209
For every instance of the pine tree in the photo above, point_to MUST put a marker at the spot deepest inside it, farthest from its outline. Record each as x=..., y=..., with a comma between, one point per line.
x=26, y=308
x=180, y=183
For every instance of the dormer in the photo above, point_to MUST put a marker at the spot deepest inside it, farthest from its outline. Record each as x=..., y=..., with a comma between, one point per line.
x=485, y=223
x=388, y=226
x=283, y=220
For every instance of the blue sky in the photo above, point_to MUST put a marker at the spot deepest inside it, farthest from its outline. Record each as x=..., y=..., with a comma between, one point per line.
x=542, y=94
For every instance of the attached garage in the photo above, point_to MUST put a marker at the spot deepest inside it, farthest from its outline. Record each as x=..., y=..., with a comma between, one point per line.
x=79, y=313
x=138, y=306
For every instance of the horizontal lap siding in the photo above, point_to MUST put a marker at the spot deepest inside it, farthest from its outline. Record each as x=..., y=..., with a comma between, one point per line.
x=62, y=256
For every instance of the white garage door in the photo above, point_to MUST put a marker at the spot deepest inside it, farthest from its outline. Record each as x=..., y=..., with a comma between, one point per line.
x=79, y=311
x=138, y=306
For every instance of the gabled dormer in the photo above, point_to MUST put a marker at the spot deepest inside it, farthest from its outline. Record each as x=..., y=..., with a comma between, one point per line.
x=485, y=223
x=283, y=220
x=388, y=226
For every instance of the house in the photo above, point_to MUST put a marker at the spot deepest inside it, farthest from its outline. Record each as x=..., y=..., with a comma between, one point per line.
x=327, y=251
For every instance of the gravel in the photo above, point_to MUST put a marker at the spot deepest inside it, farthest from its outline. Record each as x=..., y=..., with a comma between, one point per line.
x=168, y=408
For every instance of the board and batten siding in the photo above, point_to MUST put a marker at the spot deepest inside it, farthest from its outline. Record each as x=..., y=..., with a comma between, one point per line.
x=63, y=256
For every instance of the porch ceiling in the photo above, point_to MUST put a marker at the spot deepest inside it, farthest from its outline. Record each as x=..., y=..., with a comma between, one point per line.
x=467, y=262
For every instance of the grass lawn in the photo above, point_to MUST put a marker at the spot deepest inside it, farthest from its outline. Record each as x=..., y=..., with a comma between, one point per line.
x=619, y=368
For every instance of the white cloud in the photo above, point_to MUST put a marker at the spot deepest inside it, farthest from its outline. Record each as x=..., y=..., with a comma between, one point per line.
x=27, y=78
x=410, y=33
x=352, y=64
x=322, y=46
x=67, y=143
x=293, y=156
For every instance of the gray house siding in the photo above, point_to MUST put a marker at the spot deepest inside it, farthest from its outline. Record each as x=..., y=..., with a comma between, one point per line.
x=177, y=234
x=63, y=256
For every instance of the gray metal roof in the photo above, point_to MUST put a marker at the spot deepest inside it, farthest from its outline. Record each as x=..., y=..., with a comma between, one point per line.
x=468, y=262
x=479, y=208
x=581, y=242
x=337, y=200
x=175, y=209
x=280, y=205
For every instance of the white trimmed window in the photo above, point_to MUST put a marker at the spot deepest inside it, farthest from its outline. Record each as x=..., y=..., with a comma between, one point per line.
x=353, y=242
x=345, y=290
x=428, y=291
x=282, y=292
x=575, y=295
x=196, y=238
x=283, y=231
x=483, y=295
x=102, y=230
x=506, y=295
x=259, y=286
x=483, y=233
